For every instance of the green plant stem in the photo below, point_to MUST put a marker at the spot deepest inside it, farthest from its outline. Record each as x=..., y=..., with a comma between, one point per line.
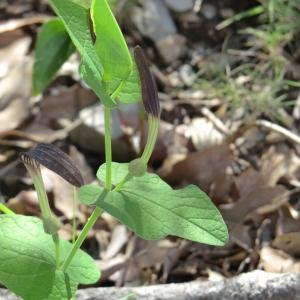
x=152, y=137
x=115, y=94
x=55, y=238
x=108, y=155
x=74, y=224
x=153, y=125
x=97, y=211
x=6, y=210
x=83, y=234
x=122, y=182
x=39, y=186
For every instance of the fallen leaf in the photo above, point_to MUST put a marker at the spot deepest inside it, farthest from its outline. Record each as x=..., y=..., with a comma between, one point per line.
x=260, y=199
x=14, y=24
x=25, y=203
x=119, y=237
x=206, y=168
x=64, y=104
x=277, y=261
x=287, y=233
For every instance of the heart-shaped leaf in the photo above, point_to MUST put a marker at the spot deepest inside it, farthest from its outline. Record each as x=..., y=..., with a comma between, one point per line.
x=131, y=91
x=28, y=267
x=75, y=17
x=152, y=209
x=110, y=46
x=120, y=75
x=106, y=64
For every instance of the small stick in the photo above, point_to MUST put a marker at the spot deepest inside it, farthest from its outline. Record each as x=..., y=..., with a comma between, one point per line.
x=215, y=120
x=279, y=129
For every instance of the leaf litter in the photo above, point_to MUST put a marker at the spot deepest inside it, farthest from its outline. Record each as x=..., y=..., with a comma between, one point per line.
x=250, y=171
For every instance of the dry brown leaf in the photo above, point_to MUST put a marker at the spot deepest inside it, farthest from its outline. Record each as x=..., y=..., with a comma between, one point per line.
x=6, y=155
x=277, y=261
x=63, y=195
x=11, y=55
x=14, y=24
x=173, y=256
x=145, y=255
x=10, y=37
x=274, y=164
x=110, y=268
x=287, y=233
x=14, y=102
x=25, y=203
x=278, y=162
x=206, y=168
x=17, y=82
x=259, y=198
x=287, y=222
x=64, y=104
x=240, y=235
x=119, y=237
x=288, y=242
x=151, y=253
x=258, y=190
x=80, y=161
x=36, y=132
x=14, y=114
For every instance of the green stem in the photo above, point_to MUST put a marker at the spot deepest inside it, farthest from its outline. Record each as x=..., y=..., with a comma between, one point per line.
x=122, y=182
x=115, y=94
x=39, y=186
x=153, y=124
x=152, y=137
x=6, y=210
x=108, y=155
x=55, y=238
x=97, y=211
x=83, y=234
x=74, y=224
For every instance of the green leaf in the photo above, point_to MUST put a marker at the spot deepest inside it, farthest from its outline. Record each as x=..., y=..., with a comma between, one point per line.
x=92, y=78
x=82, y=268
x=110, y=46
x=131, y=91
x=28, y=266
x=89, y=193
x=53, y=48
x=75, y=17
x=84, y=3
x=63, y=287
x=153, y=210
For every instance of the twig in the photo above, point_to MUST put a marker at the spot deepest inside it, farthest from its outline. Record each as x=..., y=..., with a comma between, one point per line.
x=215, y=120
x=279, y=129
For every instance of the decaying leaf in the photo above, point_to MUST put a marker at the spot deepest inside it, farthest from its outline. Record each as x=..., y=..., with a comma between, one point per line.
x=278, y=261
x=206, y=168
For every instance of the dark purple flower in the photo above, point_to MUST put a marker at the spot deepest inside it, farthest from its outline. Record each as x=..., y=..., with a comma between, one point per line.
x=148, y=85
x=55, y=160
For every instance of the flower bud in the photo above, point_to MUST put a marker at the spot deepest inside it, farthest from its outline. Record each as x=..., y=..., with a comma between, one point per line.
x=148, y=85
x=55, y=160
x=137, y=167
